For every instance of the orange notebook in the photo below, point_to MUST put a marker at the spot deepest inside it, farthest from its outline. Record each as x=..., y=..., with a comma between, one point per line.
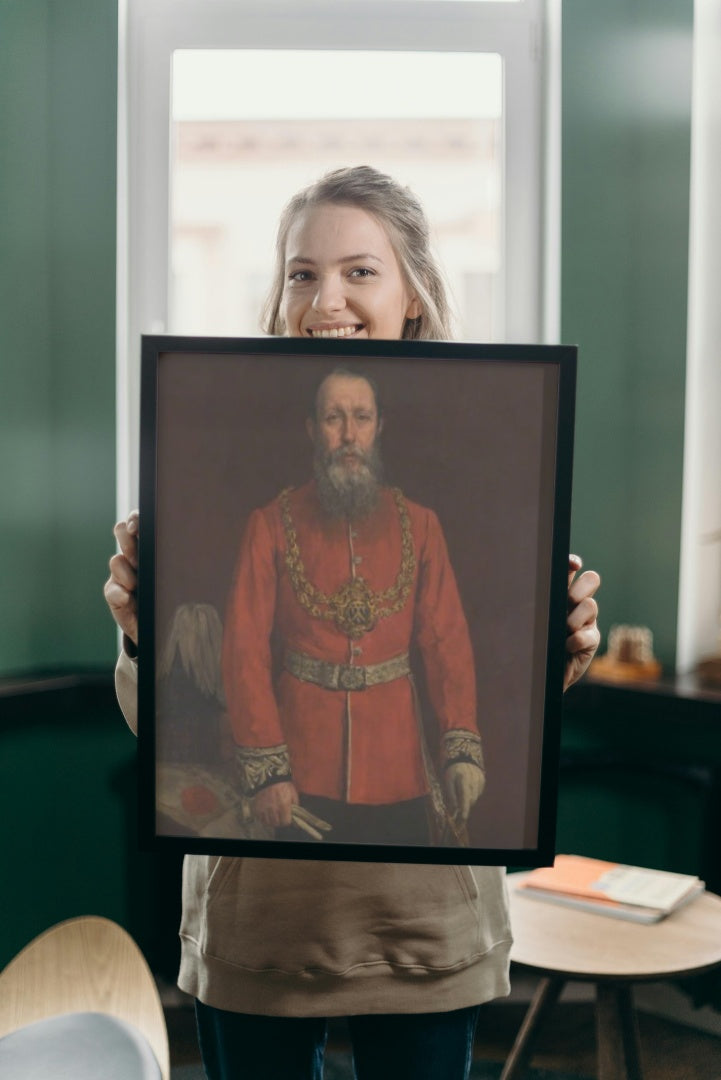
x=631, y=892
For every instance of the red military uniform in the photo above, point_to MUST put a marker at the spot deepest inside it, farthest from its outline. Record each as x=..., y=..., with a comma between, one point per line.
x=357, y=745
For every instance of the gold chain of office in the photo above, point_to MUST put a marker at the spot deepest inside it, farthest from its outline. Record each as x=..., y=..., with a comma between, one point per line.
x=355, y=608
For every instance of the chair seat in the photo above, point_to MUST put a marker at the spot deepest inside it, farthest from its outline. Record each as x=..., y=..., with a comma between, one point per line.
x=78, y=1046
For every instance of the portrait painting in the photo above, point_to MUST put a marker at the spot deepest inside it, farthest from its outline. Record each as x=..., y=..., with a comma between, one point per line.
x=352, y=597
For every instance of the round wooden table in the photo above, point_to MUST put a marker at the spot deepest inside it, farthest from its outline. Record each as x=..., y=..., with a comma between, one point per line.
x=563, y=944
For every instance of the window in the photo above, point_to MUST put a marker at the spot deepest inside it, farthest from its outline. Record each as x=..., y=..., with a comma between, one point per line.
x=235, y=161
x=227, y=107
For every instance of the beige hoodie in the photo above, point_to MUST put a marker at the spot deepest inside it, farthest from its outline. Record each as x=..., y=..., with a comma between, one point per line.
x=284, y=937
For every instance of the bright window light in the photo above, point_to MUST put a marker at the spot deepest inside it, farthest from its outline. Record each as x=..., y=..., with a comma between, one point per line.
x=260, y=84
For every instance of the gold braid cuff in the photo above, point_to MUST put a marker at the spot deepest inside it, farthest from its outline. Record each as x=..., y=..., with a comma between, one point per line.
x=461, y=745
x=261, y=766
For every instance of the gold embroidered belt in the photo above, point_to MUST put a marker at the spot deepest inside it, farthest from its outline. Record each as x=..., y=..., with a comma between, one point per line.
x=345, y=676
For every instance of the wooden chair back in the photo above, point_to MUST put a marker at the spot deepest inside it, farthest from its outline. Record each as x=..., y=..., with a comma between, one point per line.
x=87, y=964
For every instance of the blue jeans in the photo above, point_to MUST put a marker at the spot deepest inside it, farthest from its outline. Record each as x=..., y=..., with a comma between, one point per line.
x=413, y=1046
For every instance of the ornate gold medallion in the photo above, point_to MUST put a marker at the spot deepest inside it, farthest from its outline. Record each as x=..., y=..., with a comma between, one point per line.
x=354, y=607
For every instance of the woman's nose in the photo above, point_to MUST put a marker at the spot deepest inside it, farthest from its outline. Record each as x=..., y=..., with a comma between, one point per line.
x=329, y=295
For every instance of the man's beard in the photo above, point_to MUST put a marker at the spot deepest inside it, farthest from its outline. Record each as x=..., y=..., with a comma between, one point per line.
x=348, y=492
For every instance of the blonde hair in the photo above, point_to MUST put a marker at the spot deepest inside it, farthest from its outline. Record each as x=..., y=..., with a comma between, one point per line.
x=403, y=217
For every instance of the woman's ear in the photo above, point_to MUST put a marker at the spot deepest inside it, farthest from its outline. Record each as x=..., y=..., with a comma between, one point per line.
x=415, y=309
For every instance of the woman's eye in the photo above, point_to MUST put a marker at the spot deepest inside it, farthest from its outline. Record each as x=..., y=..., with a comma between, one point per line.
x=362, y=272
x=299, y=275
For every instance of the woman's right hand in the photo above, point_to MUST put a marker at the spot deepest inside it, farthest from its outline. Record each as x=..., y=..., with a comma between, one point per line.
x=121, y=587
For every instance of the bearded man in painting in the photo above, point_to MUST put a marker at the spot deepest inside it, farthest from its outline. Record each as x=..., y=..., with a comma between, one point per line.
x=350, y=574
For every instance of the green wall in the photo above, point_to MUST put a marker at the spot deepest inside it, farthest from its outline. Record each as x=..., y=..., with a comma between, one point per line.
x=625, y=200
x=58, y=73
x=641, y=779
x=68, y=803
x=67, y=777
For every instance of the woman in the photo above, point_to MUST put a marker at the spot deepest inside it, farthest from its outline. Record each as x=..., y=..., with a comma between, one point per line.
x=271, y=948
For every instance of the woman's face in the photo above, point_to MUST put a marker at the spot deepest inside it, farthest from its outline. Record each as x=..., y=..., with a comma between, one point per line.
x=342, y=277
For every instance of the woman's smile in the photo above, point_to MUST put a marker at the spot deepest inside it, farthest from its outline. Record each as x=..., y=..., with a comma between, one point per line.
x=334, y=331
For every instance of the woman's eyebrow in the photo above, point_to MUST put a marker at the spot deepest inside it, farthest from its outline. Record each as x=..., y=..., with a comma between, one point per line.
x=361, y=257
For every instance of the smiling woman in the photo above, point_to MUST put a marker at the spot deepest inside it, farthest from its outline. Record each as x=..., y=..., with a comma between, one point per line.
x=353, y=259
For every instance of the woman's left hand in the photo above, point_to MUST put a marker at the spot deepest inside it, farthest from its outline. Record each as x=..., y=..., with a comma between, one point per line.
x=583, y=636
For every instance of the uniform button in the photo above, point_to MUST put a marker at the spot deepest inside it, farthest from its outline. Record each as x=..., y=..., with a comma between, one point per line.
x=357, y=650
x=353, y=534
x=357, y=560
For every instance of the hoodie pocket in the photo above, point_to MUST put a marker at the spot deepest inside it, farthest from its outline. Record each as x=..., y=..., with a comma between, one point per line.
x=298, y=916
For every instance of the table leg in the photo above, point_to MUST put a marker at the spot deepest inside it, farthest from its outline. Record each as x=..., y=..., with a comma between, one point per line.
x=545, y=997
x=617, y=1033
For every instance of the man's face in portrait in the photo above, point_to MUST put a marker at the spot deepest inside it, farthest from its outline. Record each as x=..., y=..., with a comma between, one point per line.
x=344, y=432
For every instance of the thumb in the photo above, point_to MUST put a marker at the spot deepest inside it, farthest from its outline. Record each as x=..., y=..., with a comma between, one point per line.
x=575, y=563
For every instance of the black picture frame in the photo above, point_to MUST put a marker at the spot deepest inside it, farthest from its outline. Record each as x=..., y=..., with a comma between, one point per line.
x=482, y=435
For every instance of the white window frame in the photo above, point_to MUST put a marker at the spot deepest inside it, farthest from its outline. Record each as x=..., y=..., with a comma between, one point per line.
x=699, y=597
x=526, y=34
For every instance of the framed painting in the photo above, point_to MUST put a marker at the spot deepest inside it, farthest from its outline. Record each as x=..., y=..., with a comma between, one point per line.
x=352, y=597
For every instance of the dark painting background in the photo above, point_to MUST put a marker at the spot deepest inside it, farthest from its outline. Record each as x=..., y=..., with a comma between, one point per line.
x=474, y=440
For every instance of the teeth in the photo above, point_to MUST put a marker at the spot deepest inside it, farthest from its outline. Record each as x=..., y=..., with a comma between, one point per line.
x=336, y=332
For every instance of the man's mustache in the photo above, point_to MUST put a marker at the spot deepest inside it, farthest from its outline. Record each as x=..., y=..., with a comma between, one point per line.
x=342, y=453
